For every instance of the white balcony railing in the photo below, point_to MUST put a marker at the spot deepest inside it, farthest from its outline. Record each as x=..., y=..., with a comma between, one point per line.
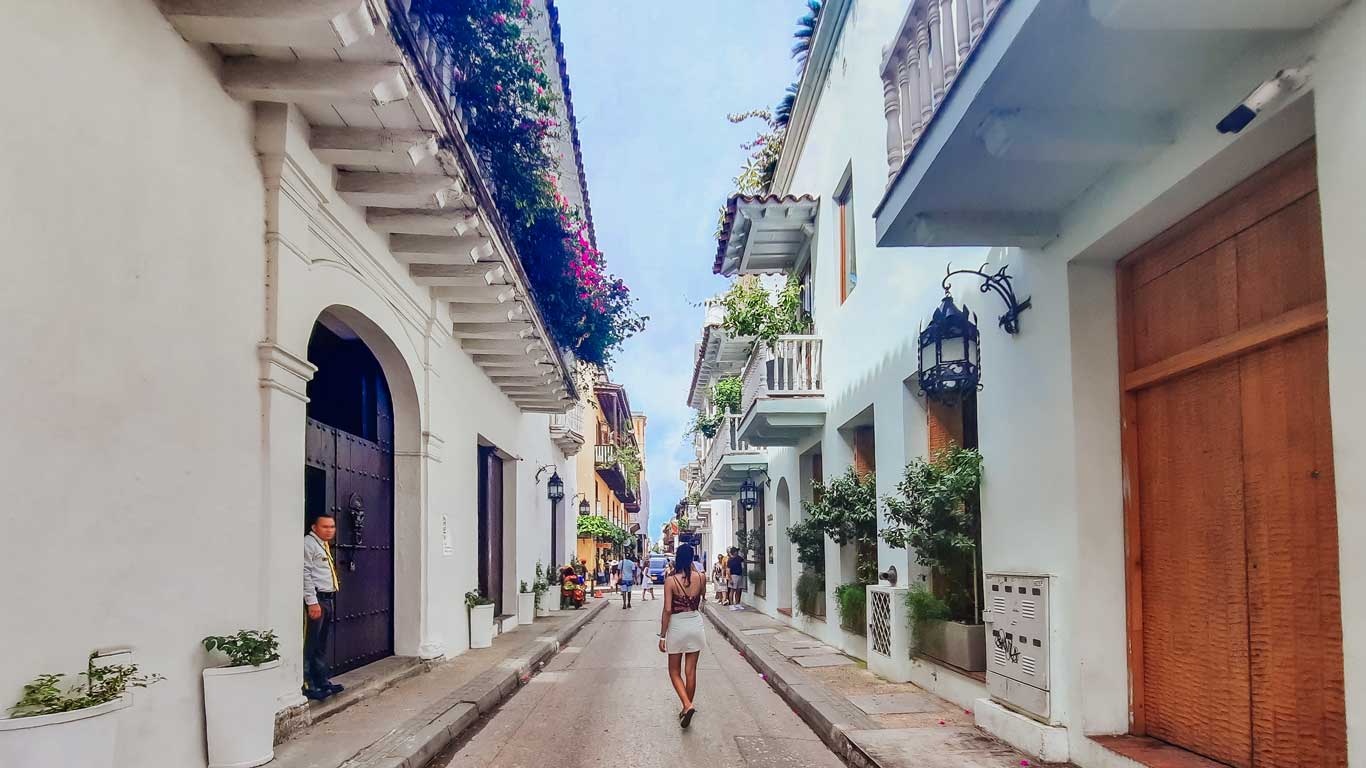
x=572, y=421
x=792, y=368
x=919, y=67
x=726, y=440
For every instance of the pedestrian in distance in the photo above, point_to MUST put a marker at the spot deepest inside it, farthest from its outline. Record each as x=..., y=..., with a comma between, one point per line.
x=736, y=567
x=320, y=591
x=680, y=631
x=627, y=571
x=719, y=578
x=647, y=582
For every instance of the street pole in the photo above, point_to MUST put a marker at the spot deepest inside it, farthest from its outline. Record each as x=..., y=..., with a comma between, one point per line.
x=554, y=534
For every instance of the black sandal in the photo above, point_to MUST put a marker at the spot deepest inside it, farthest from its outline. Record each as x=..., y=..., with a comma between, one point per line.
x=685, y=719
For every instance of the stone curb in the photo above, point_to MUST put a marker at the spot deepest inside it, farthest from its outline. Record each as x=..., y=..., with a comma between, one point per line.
x=416, y=742
x=831, y=719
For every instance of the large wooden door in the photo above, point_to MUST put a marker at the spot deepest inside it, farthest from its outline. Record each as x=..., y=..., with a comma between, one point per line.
x=352, y=478
x=491, y=527
x=1231, y=527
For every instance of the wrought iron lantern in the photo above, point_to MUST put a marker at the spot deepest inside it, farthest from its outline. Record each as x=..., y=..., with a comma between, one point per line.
x=950, y=358
x=749, y=494
x=554, y=487
x=584, y=507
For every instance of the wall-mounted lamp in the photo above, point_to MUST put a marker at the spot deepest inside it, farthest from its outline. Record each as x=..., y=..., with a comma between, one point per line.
x=950, y=358
x=1000, y=284
x=749, y=494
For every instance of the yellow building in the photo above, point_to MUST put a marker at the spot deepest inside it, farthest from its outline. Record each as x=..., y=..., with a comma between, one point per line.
x=611, y=475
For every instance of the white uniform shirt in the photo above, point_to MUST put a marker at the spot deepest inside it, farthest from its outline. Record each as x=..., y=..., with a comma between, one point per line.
x=317, y=570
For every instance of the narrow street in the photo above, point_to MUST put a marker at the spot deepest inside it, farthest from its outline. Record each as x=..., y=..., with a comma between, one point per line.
x=605, y=701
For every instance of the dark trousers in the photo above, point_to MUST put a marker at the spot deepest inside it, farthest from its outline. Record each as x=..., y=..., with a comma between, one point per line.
x=316, y=673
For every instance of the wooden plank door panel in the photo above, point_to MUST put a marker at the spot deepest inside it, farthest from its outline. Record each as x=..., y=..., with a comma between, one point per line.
x=1195, y=620
x=1295, y=632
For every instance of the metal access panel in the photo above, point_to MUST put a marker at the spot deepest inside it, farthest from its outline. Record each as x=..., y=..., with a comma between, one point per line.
x=1018, y=641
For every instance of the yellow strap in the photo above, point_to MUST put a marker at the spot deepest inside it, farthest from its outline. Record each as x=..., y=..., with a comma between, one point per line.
x=327, y=549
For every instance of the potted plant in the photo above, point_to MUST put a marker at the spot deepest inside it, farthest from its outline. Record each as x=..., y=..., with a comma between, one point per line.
x=852, y=600
x=481, y=619
x=239, y=699
x=935, y=513
x=526, y=604
x=540, y=586
x=54, y=728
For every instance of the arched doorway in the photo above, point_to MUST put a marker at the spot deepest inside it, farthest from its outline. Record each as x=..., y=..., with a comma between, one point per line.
x=349, y=471
x=783, y=565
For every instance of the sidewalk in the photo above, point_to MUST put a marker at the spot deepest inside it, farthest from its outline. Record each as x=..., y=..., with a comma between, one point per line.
x=406, y=723
x=867, y=721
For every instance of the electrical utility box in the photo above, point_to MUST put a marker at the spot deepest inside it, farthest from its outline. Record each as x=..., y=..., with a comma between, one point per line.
x=1019, y=641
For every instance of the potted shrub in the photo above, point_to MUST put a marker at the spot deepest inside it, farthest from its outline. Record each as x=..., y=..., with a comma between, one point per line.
x=852, y=600
x=54, y=728
x=935, y=513
x=481, y=619
x=526, y=605
x=239, y=699
x=540, y=586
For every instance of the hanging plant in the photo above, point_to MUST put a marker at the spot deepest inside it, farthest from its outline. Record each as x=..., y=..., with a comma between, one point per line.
x=752, y=312
x=504, y=90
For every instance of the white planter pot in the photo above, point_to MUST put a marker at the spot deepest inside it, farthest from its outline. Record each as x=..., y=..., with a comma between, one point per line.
x=526, y=607
x=86, y=737
x=239, y=715
x=550, y=603
x=481, y=626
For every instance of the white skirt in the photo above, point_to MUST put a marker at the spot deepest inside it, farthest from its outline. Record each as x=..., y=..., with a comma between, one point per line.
x=685, y=633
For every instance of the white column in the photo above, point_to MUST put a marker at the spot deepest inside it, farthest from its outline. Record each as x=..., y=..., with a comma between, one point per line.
x=936, y=33
x=975, y=21
x=949, y=50
x=963, y=35
x=908, y=86
x=922, y=45
x=892, y=111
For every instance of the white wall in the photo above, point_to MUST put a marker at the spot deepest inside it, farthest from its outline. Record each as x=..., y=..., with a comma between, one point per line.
x=154, y=484
x=1048, y=411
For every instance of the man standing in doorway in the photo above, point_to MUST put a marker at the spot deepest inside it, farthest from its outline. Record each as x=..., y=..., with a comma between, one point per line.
x=736, y=566
x=627, y=580
x=320, y=592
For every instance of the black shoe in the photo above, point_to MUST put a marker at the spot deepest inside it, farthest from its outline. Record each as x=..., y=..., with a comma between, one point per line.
x=686, y=719
x=316, y=695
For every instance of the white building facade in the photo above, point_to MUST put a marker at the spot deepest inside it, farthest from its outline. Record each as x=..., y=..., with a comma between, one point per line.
x=1169, y=441
x=293, y=294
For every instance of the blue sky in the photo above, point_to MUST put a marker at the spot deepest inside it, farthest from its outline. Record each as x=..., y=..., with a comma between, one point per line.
x=652, y=84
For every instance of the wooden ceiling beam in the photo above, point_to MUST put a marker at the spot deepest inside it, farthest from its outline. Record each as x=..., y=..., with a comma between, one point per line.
x=422, y=222
x=251, y=78
x=371, y=146
x=314, y=24
x=399, y=190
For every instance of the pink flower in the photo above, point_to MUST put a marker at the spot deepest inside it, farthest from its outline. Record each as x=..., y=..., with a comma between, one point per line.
x=500, y=18
x=498, y=88
x=1024, y=762
x=941, y=722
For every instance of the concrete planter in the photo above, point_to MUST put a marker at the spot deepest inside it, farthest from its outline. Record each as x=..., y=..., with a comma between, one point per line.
x=86, y=738
x=239, y=715
x=954, y=643
x=526, y=607
x=481, y=626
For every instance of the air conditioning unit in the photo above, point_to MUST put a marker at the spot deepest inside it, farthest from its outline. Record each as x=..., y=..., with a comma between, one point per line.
x=1019, y=641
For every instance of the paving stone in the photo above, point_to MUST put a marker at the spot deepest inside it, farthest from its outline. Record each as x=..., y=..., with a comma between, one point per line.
x=765, y=752
x=793, y=652
x=765, y=631
x=823, y=660
x=943, y=747
x=898, y=703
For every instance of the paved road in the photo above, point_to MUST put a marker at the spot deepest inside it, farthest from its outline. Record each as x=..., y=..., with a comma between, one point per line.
x=605, y=702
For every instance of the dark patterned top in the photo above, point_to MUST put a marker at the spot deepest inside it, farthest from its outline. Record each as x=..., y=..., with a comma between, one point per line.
x=682, y=601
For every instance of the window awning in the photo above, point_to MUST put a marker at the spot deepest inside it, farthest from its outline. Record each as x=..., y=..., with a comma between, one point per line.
x=765, y=234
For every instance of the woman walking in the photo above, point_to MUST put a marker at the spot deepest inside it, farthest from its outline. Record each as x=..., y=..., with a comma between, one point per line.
x=680, y=631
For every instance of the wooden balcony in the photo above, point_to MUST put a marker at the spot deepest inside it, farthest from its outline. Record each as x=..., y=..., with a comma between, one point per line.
x=609, y=467
x=783, y=399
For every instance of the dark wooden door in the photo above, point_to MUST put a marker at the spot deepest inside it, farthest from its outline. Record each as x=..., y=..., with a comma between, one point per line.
x=491, y=527
x=353, y=478
x=1231, y=525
